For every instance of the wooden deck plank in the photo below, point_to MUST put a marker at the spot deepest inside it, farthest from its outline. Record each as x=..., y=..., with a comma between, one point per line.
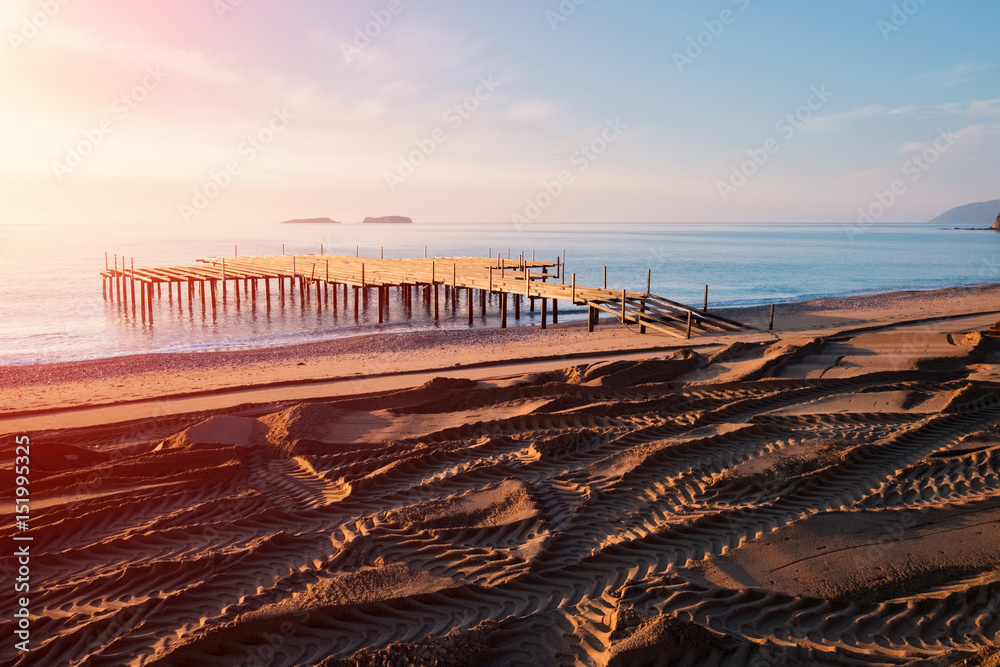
x=494, y=275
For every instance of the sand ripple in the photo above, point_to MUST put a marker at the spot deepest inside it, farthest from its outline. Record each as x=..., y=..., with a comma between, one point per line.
x=752, y=506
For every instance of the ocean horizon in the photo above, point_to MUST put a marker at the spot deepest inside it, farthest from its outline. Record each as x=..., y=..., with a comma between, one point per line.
x=52, y=308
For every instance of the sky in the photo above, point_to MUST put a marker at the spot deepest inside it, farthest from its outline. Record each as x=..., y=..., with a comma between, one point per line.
x=246, y=111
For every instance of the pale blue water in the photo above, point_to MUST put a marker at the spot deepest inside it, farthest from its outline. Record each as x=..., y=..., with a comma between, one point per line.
x=51, y=308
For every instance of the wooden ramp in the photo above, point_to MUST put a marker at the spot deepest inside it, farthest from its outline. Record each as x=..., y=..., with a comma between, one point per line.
x=331, y=280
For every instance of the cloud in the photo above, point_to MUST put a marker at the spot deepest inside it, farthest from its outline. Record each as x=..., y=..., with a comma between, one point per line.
x=985, y=108
x=963, y=73
x=975, y=109
x=836, y=120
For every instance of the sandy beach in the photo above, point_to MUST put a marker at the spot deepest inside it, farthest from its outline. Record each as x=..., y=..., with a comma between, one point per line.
x=824, y=493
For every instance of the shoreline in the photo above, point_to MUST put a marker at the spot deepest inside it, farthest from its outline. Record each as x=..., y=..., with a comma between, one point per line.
x=749, y=309
x=34, y=389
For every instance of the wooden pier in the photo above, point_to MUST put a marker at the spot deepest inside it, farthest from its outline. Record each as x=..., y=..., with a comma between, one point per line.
x=343, y=282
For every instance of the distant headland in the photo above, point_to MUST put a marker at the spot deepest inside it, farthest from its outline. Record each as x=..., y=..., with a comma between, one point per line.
x=311, y=221
x=391, y=219
x=980, y=213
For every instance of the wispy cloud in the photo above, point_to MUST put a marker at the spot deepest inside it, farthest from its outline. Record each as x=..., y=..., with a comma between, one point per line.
x=963, y=73
x=985, y=108
x=975, y=109
x=836, y=120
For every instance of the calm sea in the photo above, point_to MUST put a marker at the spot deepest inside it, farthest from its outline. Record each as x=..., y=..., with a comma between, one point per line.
x=51, y=306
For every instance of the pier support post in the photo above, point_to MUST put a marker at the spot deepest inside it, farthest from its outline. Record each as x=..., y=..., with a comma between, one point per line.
x=437, y=312
x=688, y=335
x=517, y=306
x=355, y=303
x=503, y=310
x=555, y=311
x=482, y=302
x=201, y=293
x=151, y=301
x=544, y=309
x=142, y=295
x=132, y=288
x=334, y=298
x=591, y=318
x=469, y=292
x=211, y=285
x=381, y=304
x=267, y=293
x=705, y=307
x=770, y=323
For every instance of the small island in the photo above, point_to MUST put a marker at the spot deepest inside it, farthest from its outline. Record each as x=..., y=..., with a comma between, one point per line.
x=392, y=219
x=311, y=221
